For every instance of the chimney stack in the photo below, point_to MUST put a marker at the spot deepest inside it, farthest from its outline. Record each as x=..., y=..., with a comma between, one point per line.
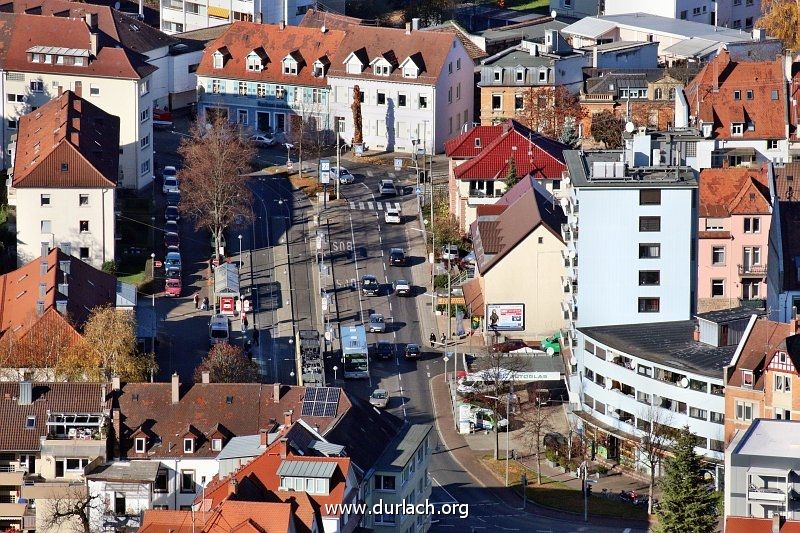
x=263, y=437
x=206, y=376
x=78, y=89
x=408, y=28
x=25, y=393
x=176, y=388
x=103, y=393
x=94, y=35
x=115, y=384
x=776, y=523
x=276, y=392
x=233, y=486
x=284, y=442
x=282, y=25
x=287, y=418
x=415, y=24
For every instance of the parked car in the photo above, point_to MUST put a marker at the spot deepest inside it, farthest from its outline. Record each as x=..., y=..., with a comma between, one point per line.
x=387, y=188
x=172, y=213
x=392, y=216
x=343, y=174
x=412, y=351
x=263, y=139
x=170, y=184
x=397, y=257
x=402, y=287
x=169, y=172
x=172, y=240
x=552, y=345
x=172, y=263
x=173, y=198
x=384, y=350
x=219, y=329
x=171, y=226
x=376, y=323
x=450, y=252
x=379, y=398
x=370, y=286
x=172, y=287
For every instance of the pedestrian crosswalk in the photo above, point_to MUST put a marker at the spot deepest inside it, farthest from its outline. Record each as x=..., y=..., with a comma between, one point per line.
x=374, y=206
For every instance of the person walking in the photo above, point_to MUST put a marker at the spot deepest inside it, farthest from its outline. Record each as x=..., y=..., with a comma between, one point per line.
x=433, y=339
x=255, y=336
x=244, y=322
x=444, y=338
x=196, y=300
x=205, y=304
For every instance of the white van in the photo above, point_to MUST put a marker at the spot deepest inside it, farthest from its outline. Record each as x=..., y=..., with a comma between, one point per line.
x=473, y=383
x=219, y=329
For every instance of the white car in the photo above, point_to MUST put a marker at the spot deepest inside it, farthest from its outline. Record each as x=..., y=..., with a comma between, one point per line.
x=262, y=139
x=376, y=323
x=392, y=216
x=450, y=252
x=344, y=175
x=169, y=172
x=170, y=185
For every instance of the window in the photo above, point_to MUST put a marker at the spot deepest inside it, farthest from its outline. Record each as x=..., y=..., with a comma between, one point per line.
x=160, y=484
x=696, y=11
x=684, y=13
x=700, y=414
x=216, y=445
x=458, y=91
x=772, y=144
x=402, y=100
x=650, y=197
x=12, y=124
x=773, y=94
x=717, y=418
x=752, y=225
x=44, y=200
x=450, y=95
x=736, y=24
x=649, y=305
x=37, y=86
x=519, y=102
x=783, y=383
x=423, y=102
x=84, y=253
x=649, y=223
x=319, y=70
x=497, y=102
x=242, y=88
x=644, y=370
x=498, y=75
x=737, y=95
x=241, y=116
x=46, y=226
x=748, y=22
x=782, y=414
x=30, y=422
x=119, y=503
x=188, y=445
x=737, y=128
x=450, y=67
x=649, y=277
x=140, y=445
x=649, y=251
x=144, y=115
x=658, y=94
x=144, y=142
x=187, y=481
x=381, y=98
x=144, y=88
x=520, y=75
x=744, y=411
x=714, y=224
x=458, y=64
x=254, y=63
x=75, y=464
x=290, y=67
x=749, y=94
x=718, y=255
x=216, y=86
x=261, y=90
x=542, y=76
x=386, y=483
x=145, y=167
x=717, y=288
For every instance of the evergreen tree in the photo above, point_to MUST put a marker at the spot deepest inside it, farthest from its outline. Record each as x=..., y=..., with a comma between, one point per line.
x=569, y=134
x=688, y=505
x=511, y=174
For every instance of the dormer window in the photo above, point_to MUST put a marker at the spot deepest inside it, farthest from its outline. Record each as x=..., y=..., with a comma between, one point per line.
x=254, y=62
x=381, y=67
x=216, y=445
x=219, y=60
x=498, y=74
x=290, y=66
x=410, y=72
x=782, y=357
x=140, y=444
x=188, y=445
x=520, y=75
x=30, y=422
x=737, y=128
x=319, y=69
x=477, y=142
x=747, y=378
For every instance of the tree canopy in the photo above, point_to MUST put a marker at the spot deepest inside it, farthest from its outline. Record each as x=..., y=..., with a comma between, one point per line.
x=548, y=110
x=781, y=19
x=607, y=129
x=228, y=364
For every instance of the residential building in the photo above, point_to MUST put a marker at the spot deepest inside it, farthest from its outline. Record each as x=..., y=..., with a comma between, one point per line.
x=735, y=14
x=496, y=39
x=760, y=483
x=45, y=305
x=575, y=8
x=763, y=362
x=124, y=490
x=474, y=45
x=677, y=39
x=744, y=122
x=672, y=147
x=266, y=76
x=53, y=433
x=63, y=180
x=418, y=93
x=519, y=233
x=783, y=260
x=733, y=233
x=231, y=516
x=479, y=162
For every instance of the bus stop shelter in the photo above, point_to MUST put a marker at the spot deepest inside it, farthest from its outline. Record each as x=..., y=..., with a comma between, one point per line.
x=226, y=287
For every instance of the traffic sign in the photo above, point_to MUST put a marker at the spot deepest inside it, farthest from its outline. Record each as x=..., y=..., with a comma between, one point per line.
x=324, y=176
x=419, y=191
x=398, y=163
x=157, y=264
x=324, y=165
x=289, y=164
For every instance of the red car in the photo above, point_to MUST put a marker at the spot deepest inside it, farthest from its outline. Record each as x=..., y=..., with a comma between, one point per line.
x=173, y=287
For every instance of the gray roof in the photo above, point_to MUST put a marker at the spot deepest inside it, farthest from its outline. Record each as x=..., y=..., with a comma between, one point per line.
x=316, y=469
x=731, y=315
x=130, y=471
x=226, y=279
x=326, y=448
x=146, y=321
x=580, y=163
x=661, y=25
x=514, y=57
x=590, y=27
x=403, y=447
x=530, y=31
x=667, y=343
x=617, y=45
x=126, y=294
x=694, y=47
x=770, y=438
x=245, y=446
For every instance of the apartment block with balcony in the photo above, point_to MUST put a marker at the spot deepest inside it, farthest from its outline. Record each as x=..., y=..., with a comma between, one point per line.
x=733, y=233
x=125, y=490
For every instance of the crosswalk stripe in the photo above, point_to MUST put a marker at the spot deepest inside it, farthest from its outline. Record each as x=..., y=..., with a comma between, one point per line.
x=369, y=206
x=379, y=206
x=352, y=205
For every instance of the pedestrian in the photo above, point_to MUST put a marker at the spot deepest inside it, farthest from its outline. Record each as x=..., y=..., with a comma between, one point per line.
x=444, y=338
x=196, y=301
x=205, y=303
x=255, y=336
x=244, y=322
x=433, y=339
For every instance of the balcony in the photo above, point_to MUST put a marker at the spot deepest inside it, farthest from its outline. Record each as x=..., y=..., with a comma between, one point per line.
x=479, y=197
x=756, y=303
x=172, y=4
x=767, y=494
x=753, y=270
x=12, y=510
x=569, y=232
x=597, y=97
x=11, y=475
x=38, y=488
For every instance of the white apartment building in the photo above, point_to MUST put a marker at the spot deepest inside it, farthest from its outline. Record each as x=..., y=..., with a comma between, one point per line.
x=124, y=490
x=63, y=179
x=736, y=14
x=417, y=87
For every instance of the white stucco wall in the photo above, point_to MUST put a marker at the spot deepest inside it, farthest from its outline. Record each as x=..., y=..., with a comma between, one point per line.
x=138, y=498
x=174, y=498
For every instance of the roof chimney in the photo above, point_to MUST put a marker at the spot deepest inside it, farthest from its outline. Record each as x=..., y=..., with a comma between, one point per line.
x=39, y=307
x=408, y=28
x=287, y=418
x=176, y=388
x=281, y=25
x=233, y=486
x=103, y=393
x=206, y=376
x=415, y=24
x=263, y=437
x=115, y=384
x=65, y=266
x=25, y=393
x=94, y=35
x=276, y=392
x=594, y=57
x=284, y=442
x=44, y=249
x=776, y=523
x=63, y=288
x=323, y=29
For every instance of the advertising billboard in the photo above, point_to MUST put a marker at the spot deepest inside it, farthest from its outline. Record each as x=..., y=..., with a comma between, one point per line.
x=505, y=317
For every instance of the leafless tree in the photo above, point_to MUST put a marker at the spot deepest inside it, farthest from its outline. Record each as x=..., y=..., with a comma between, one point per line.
x=537, y=422
x=70, y=511
x=657, y=436
x=358, y=136
x=214, y=190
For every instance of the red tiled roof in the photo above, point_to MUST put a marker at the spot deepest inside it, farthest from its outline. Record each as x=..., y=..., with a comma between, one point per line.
x=490, y=209
x=765, y=337
x=787, y=177
x=70, y=131
x=733, y=191
x=741, y=524
x=711, y=97
x=231, y=516
x=475, y=52
x=52, y=397
x=333, y=21
x=533, y=154
x=463, y=146
x=242, y=38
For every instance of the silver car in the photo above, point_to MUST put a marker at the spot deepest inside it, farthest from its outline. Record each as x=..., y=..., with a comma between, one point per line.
x=376, y=323
x=379, y=398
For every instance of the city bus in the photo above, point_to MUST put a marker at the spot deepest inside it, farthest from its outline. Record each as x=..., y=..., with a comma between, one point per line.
x=354, y=352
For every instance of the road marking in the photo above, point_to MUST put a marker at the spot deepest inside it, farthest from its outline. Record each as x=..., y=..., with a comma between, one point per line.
x=626, y=530
x=452, y=498
x=379, y=207
x=369, y=205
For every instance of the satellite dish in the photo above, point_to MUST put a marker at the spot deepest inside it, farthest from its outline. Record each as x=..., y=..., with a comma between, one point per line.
x=553, y=13
x=564, y=203
x=116, y=5
x=573, y=361
x=629, y=127
x=684, y=382
x=572, y=254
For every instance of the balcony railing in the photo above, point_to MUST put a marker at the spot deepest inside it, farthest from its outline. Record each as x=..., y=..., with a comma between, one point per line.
x=8, y=468
x=752, y=270
x=597, y=97
x=478, y=193
x=755, y=303
x=772, y=494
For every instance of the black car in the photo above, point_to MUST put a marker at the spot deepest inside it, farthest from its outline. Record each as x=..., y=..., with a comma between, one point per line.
x=171, y=213
x=384, y=350
x=370, y=286
x=173, y=198
x=171, y=239
x=413, y=351
x=397, y=257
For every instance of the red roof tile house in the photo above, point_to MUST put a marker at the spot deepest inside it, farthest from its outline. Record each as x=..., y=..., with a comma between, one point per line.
x=63, y=180
x=733, y=233
x=231, y=516
x=479, y=162
x=740, y=107
x=521, y=233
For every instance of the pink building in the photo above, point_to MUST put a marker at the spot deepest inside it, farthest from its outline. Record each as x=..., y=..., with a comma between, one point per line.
x=733, y=231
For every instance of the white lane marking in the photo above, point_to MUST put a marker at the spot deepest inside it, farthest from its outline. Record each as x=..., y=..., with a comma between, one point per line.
x=352, y=205
x=452, y=498
x=378, y=206
x=369, y=205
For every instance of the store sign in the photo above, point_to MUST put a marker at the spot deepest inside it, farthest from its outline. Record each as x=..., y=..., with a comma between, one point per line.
x=505, y=317
x=227, y=305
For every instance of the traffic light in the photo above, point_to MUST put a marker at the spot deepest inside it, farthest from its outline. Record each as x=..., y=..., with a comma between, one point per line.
x=422, y=176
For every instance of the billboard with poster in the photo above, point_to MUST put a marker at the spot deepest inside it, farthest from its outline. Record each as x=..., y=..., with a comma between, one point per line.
x=505, y=317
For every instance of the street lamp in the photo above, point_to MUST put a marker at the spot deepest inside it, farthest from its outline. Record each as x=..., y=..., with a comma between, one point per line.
x=153, y=277
x=241, y=261
x=335, y=368
x=446, y=358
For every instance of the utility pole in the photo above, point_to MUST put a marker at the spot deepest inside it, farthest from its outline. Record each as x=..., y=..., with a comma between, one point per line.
x=338, y=168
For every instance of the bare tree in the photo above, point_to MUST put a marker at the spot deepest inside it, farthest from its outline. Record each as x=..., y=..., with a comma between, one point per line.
x=358, y=134
x=228, y=364
x=607, y=129
x=311, y=138
x=70, y=511
x=548, y=109
x=657, y=436
x=214, y=190
x=537, y=422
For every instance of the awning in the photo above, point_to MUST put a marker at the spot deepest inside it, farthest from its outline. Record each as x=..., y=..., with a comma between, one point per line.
x=226, y=280
x=473, y=296
x=219, y=12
